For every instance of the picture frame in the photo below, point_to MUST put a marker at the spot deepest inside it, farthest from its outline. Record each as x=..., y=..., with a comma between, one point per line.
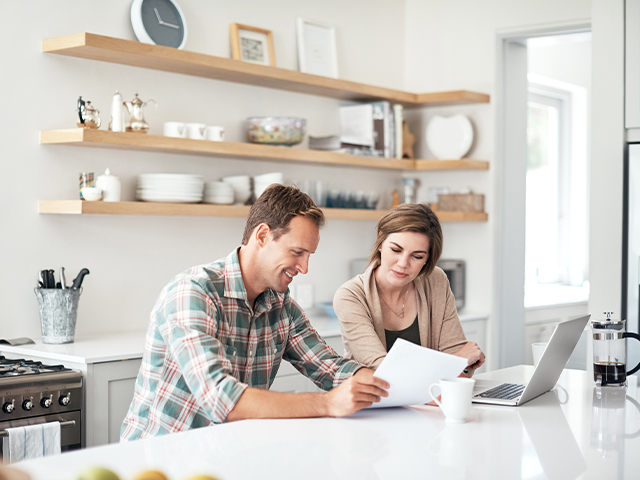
x=252, y=44
x=317, y=51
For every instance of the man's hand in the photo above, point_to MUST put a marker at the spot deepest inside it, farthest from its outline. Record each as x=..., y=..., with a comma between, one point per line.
x=472, y=353
x=360, y=391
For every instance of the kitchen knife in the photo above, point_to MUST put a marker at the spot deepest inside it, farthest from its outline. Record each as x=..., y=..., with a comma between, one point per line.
x=77, y=282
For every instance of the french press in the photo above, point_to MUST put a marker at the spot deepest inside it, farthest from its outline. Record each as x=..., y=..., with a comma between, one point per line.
x=610, y=352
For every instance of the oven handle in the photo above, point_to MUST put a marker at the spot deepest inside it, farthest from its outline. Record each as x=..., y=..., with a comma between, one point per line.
x=68, y=423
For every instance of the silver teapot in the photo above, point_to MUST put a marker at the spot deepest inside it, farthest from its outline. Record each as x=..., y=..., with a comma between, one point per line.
x=136, y=121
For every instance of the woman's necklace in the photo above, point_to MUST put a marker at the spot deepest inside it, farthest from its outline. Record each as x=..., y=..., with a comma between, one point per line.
x=401, y=312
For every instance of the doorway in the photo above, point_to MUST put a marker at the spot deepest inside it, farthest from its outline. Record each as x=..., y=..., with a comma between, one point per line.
x=542, y=187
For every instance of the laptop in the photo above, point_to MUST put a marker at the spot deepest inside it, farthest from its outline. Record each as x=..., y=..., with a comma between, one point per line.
x=553, y=360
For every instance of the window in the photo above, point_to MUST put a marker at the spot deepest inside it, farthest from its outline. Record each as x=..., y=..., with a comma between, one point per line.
x=556, y=196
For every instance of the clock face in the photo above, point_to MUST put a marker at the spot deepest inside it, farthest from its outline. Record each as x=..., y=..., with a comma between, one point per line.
x=162, y=21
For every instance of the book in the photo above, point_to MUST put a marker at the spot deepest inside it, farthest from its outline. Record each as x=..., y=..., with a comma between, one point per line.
x=398, y=117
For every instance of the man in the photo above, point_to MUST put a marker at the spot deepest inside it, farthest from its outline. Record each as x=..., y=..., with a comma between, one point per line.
x=218, y=333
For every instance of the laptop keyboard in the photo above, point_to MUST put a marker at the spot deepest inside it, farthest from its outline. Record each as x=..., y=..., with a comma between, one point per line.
x=505, y=391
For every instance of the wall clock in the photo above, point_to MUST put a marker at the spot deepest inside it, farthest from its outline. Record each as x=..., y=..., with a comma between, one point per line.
x=159, y=22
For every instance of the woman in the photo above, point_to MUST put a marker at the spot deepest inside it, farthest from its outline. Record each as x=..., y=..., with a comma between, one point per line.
x=403, y=294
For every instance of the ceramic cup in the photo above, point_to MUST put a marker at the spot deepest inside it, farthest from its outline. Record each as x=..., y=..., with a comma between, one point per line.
x=175, y=129
x=537, y=349
x=214, y=134
x=455, y=398
x=91, y=194
x=196, y=130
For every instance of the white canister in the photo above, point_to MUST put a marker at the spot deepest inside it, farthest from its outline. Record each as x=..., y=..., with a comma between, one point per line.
x=117, y=114
x=110, y=186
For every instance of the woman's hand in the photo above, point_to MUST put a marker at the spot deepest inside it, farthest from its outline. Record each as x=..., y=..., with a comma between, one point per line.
x=471, y=351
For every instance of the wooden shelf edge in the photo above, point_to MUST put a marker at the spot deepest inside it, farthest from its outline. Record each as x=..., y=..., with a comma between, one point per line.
x=462, y=164
x=134, y=53
x=136, y=141
x=79, y=207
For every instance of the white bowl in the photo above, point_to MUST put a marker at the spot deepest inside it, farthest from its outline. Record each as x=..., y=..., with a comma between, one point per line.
x=91, y=194
x=241, y=197
x=219, y=200
x=218, y=187
x=237, y=180
x=274, y=177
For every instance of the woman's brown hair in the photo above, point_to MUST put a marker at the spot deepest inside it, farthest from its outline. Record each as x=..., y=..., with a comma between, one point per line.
x=411, y=217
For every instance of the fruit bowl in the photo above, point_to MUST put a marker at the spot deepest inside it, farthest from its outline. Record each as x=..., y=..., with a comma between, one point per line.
x=276, y=130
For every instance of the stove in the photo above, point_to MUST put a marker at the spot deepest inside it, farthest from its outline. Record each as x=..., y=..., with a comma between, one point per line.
x=32, y=393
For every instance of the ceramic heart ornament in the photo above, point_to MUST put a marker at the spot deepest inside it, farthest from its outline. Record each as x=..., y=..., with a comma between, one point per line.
x=449, y=138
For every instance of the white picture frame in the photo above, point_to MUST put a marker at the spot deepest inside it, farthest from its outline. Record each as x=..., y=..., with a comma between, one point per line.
x=317, y=51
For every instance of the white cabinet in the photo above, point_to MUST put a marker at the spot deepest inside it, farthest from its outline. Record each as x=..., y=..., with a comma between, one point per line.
x=109, y=391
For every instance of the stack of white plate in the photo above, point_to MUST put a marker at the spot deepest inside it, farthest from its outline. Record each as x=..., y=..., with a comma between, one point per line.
x=261, y=182
x=220, y=193
x=241, y=188
x=170, y=188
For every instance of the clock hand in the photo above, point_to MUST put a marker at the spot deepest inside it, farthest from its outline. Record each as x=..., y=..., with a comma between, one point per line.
x=158, y=16
x=169, y=25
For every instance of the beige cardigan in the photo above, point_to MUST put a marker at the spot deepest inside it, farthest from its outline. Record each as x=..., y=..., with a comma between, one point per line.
x=357, y=305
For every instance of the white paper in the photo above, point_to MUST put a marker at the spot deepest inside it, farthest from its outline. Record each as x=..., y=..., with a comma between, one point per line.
x=411, y=369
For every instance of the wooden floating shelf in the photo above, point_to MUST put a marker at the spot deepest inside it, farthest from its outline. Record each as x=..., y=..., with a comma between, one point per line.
x=129, y=52
x=79, y=207
x=158, y=143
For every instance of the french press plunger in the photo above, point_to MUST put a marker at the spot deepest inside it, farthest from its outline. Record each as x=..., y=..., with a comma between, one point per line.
x=610, y=352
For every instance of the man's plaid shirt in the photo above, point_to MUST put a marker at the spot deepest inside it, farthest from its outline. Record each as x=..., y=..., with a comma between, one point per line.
x=205, y=345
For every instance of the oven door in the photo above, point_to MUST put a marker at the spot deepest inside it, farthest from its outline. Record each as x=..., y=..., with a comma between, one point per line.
x=70, y=434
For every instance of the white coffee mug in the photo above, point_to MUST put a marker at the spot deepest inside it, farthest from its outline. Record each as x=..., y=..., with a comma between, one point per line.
x=214, y=134
x=175, y=129
x=537, y=349
x=455, y=398
x=196, y=130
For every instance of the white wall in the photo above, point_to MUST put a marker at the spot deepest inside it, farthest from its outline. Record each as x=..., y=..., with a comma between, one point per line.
x=132, y=257
x=607, y=153
x=452, y=45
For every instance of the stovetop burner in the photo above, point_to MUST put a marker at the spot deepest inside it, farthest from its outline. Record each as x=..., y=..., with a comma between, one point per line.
x=20, y=367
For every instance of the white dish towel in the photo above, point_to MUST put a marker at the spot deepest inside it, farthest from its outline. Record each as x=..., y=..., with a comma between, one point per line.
x=32, y=441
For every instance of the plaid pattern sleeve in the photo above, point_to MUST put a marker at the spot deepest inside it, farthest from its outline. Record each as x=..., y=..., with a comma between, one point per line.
x=186, y=379
x=311, y=356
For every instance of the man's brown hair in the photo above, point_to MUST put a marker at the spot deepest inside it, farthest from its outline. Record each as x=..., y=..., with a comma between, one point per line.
x=277, y=206
x=411, y=217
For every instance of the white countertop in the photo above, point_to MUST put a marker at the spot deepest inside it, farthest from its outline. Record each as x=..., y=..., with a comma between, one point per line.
x=85, y=350
x=575, y=431
x=124, y=346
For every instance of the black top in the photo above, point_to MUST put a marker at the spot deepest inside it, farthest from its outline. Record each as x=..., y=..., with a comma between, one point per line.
x=410, y=334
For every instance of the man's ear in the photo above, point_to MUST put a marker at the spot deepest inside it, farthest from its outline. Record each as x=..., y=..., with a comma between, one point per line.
x=262, y=234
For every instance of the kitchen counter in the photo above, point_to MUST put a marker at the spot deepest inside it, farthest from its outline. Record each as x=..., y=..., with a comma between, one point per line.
x=124, y=346
x=575, y=431
x=121, y=346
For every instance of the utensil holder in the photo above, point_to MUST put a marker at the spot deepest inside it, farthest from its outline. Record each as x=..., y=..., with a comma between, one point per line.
x=58, y=314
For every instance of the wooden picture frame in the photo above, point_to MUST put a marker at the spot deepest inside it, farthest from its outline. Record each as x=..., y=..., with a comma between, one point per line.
x=252, y=44
x=317, y=51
